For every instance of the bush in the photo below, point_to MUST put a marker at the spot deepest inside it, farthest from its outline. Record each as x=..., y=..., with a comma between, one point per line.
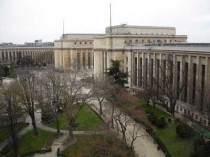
x=200, y=148
x=152, y=118
x=184, y=131
x=149, y=112
x=177, y=120
x=150, y=131
x=169, y=120
x=162, y=146
x=160, y=122
x=5, y=150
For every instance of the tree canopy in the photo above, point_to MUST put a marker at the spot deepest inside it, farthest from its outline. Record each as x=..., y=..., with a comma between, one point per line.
x=119, y=77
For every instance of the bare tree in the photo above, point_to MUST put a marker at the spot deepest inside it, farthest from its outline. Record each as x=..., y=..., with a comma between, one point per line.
x=52, y=84
x=129, y=130
x=163, y=88
x=101, y=90
x=11, y=112
x=135, y=133
x=74, y=95
x=28, y=90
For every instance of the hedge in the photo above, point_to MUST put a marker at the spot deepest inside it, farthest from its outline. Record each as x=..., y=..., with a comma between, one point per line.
x=157, y=139
x=37, y=151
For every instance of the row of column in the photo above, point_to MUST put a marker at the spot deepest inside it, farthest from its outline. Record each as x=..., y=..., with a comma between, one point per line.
x=193, y=71
x=79, y=58
x=38, y=55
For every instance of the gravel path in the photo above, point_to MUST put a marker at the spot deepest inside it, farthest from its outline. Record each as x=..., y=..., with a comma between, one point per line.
x=144, y=146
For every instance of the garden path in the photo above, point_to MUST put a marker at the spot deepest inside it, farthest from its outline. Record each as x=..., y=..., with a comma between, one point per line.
x=144, y=146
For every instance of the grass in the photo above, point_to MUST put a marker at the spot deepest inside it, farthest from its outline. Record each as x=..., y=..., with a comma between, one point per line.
x=158, y=113
x=97, y=145
x=87, y=119
x=81, y=144
x=4, y=131
x=63, y=123
x=29, y=143
x=177, y=146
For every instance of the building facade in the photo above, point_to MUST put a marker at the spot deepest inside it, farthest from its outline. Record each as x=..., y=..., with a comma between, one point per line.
x=140, y=47
x=74, y=50
x=9, y=54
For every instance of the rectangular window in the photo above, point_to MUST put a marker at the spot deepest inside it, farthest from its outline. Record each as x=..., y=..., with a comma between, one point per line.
x=202, y=86
x=158, y=72
x=140, y=72
x=135, y=71
x=151, y=72
x=194, y=83
x=178, y=78
x=146, y=71
x=185, y=81
x=83, y=59
x=78, y=60
x=89, y=63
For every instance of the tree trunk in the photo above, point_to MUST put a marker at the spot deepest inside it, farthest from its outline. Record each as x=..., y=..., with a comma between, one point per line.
x=34, y=124
x=57, y=122
x=112, y=117
x=100, y=104
x=172, y=109
x=14, y=137
x=71, y=123
x=15, y=144
x=132, y=143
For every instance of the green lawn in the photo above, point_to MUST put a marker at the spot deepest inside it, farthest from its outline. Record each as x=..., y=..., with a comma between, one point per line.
x=177, y=146
x=87, y=119
x=30, y=143
x=63, y=123
x=81, y=144
x=157, y=112
x=96, y=145
x=4, y=134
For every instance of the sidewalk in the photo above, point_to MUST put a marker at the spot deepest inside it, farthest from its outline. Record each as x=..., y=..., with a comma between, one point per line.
x=144, y=146
x=58, y=143
x=21, y=133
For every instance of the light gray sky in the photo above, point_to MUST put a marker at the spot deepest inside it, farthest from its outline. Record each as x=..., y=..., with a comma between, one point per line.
x=27, y=20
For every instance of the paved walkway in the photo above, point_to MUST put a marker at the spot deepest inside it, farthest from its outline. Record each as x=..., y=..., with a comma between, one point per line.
x=144, y=146
x=41, y=126
x=58, y=143
x=21, y=133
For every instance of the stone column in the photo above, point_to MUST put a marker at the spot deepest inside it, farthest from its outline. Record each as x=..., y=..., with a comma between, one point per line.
x=175, y=72
x=129, y=68
x=190, y=72
x=143, y=70
x=137, y=72
x=198, y=84
x=181, y=75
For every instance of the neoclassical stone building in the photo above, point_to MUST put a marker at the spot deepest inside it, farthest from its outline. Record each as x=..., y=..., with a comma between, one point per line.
x=40, y=54
x=139, y=47
x=74, y=50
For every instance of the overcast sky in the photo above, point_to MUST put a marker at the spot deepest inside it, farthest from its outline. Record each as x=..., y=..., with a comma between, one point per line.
x=27, y=20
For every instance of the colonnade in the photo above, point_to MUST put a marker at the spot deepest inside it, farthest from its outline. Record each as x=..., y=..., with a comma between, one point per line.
x=190, y=69
x=39, y=55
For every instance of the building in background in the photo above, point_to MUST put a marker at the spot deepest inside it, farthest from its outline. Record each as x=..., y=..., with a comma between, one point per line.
x=140, y=47
x=40, y=54
x=74, y=50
